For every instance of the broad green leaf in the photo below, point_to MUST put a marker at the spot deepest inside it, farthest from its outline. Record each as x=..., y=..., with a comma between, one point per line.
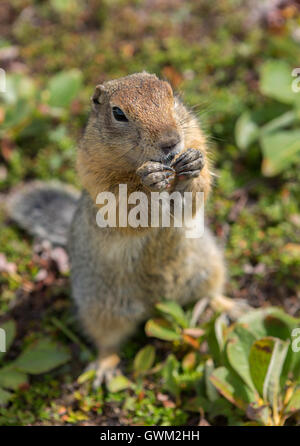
x=211, y=391
x=266, y=359
x=246, y=131
x=4, y=397
x=276, y=81
x=42, y=356
x=259, y=360
x=291, y=368
x=232, y=387
x=271, y=389
x=280, y=149
x=118, y=383
x=170, y=375
x=220, y=327
x=216, y=337
x=10, y=330
x=64, y=87
x=271, y=321
x=17, y=114
x=238, y=348
x=144, y=359
x=294, y=352
x=282, y=121
x=18, y=86
x=175, y=311
x=11, y=378
x=161, y=329
x=294, y=403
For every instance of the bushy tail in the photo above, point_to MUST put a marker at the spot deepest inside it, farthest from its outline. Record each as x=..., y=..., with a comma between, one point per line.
x=44, y=210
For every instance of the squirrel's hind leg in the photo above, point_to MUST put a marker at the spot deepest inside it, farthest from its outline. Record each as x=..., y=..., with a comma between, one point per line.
x=106, y=368
x=235, y=308
x=108, y=333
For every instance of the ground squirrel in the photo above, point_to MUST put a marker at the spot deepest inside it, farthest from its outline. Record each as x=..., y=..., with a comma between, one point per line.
x=140, y=135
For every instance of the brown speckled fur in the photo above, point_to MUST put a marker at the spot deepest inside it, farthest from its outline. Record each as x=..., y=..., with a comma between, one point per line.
x=109, y=154
x=119, y=273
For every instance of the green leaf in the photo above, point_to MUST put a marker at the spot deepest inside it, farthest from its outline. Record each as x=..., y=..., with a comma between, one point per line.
x=66, y=6
x=271, y=321
x=64, y=87
x=282, y=121
x=175, y=311
x=294, y=403
x=118, y=383
x=271, y=390
x=232, y=387
x=170, y=375
x=280, y=149
x=276, y=81
x=11, y=378
x=42, y=356
x=4, y=397
x=238, y=348
x=216, y=337
x=246, y=131
x=259, y=413
x=293, y=363
x=10, y=330
x=16, y=114
x=220, y=327
x=88, y=375
x=144, y=359
x=18, y=87
x=259, y=360
x=189, y=361
x=161, y=329
x=211, y=391
x=220, y=407
x=266, y=359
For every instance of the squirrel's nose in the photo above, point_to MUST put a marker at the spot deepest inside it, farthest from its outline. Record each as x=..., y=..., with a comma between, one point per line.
x=169, y=144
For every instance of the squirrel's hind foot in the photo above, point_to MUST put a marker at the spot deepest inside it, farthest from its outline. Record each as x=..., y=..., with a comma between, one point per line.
x=106, y=369
x=235, y=308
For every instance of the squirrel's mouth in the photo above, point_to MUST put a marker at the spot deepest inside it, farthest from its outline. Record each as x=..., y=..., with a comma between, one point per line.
x=167, y=159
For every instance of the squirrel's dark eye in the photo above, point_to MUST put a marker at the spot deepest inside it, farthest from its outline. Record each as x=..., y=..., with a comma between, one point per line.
x=119, y=115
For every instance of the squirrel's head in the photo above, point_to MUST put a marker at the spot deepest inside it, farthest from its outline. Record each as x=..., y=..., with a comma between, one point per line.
x=134, y=119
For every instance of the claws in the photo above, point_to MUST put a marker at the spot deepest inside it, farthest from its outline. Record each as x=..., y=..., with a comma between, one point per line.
x=151, y=167
x=156, y=176
x=186, y=157
x=193, y=165
x=105, y=376
x=165, y=167
x=106, y=369
x=234, y=308
x=188, y=174
x=189, y=164
x=160, y=186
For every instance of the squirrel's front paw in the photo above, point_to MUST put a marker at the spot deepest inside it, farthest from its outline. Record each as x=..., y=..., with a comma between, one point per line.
x=156, y=176
x=189, y=164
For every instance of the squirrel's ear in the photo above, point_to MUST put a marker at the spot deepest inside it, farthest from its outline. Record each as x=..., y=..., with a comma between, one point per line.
x=97, y=96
